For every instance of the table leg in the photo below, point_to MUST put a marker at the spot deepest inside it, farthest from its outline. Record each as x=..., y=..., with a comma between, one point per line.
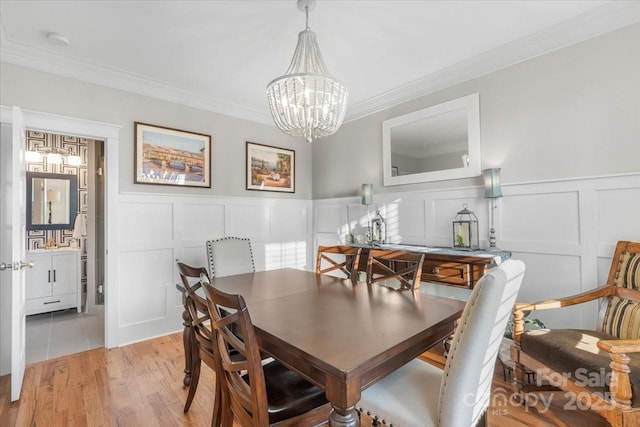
x=344, y=417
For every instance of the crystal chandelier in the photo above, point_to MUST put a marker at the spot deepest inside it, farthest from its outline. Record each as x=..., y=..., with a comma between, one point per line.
x=306, y=101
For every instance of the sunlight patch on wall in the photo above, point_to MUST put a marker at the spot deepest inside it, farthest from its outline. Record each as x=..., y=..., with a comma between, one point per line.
x=392, y=215
x=285, y=254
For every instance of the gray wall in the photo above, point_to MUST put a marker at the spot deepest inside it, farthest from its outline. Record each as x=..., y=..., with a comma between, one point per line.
x=571, y=113
x=49, y=93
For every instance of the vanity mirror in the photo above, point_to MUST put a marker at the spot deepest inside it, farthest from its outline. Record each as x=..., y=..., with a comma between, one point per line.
x=433, y=144
x=51, y=201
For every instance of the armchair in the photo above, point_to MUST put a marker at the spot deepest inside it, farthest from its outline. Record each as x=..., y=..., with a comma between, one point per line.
x=600, y=368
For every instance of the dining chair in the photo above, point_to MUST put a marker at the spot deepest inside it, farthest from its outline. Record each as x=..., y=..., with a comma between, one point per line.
x=421, y=395
x=257, y=395
x=230, y=255
x=340, y=258
x=198, y=338
x=406, y=267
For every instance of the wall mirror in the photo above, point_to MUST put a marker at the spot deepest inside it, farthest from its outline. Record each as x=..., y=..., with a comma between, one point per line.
x=51, y=201
x=433, y=144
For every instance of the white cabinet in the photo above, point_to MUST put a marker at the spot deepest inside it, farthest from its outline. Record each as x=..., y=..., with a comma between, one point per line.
x=54, y=281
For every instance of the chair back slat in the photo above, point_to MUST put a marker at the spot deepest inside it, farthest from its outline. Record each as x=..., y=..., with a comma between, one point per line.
x=339, y=258
x=622, y=316
x=405, y=267
x=243, y=374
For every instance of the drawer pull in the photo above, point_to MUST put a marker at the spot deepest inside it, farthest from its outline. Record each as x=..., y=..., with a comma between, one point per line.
x=435, y=270
x=51, y=302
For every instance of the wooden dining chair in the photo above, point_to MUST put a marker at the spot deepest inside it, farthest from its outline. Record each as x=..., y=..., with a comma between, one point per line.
x=257, y=395
x=601, y=365
x=230, y=255
x=421, y=395
x=405, y=267
x=198, y=337
x=343, y=259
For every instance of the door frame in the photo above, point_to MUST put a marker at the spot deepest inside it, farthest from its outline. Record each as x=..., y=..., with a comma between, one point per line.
x=109, y=133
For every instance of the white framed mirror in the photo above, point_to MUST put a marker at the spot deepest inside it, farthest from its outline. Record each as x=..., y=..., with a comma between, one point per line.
x=433, y=144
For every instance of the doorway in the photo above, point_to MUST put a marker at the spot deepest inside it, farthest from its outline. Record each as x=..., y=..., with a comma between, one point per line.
x=52, y=332
x=12, y=298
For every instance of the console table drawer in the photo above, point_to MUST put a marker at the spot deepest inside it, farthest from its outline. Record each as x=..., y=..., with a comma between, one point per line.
x=50, y=303
x=446, y=272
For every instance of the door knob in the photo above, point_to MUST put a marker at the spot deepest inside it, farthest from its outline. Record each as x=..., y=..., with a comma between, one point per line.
x=15, y=266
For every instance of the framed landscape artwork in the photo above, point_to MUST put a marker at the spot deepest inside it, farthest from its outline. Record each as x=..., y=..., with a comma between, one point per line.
x=270, y=168
x=168, y=156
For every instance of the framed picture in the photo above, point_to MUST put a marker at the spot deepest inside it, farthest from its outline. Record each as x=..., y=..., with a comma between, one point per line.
x=270, y=168
x=168, y=156
x=394, y=171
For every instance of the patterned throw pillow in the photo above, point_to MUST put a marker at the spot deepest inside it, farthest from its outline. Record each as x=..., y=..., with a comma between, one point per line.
x=622, y=319
x=628, y=275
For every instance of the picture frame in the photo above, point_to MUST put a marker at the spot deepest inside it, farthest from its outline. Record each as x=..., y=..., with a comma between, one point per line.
x=270, y=168
x=167, y=156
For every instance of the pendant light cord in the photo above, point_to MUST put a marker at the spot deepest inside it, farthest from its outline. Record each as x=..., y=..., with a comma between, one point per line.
x=306, y=11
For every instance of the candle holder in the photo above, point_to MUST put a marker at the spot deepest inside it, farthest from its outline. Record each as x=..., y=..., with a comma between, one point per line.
x=465, y=230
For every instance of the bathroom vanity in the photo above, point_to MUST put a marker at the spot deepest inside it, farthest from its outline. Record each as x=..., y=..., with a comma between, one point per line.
x=54, y=281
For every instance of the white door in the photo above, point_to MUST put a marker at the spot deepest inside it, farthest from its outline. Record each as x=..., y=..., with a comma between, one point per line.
x=12, y=241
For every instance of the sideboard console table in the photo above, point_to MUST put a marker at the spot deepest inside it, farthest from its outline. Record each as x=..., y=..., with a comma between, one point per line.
x=446, y=266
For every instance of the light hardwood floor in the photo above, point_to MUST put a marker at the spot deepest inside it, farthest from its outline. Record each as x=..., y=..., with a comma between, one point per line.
x=141, y=385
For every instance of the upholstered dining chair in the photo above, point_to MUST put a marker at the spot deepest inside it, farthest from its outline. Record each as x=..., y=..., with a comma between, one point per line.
x=601, y=367
x=421, y=395
x=230, y=255
x=198, y=339
x=333, y=259
x=257, y=395
x=405, y=267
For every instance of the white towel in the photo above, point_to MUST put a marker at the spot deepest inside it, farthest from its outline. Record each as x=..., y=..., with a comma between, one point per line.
x=79, y=226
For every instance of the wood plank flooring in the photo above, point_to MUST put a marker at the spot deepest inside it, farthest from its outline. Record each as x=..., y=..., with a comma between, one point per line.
x=141, y=385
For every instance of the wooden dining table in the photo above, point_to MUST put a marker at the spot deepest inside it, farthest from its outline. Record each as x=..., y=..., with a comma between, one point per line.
x=341, y=336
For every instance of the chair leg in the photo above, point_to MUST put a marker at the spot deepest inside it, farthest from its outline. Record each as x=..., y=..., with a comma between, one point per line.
x=216, y=417
x=187, y=342
x=193, y=385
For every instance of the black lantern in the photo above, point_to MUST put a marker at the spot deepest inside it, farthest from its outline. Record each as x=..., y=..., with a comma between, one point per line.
x=465, y=230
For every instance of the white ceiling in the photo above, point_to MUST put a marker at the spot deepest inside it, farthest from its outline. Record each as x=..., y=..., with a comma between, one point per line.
x=220, y=55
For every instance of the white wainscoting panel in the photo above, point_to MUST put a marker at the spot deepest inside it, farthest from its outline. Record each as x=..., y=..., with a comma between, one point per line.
x=146, y=221
x=551, y=217
x=565, y=231
x=405, y=220
x=289, y=220
x=157, y=229
x=145, y=276
x=202, y=220
x=248, y=220
x=331, y=219
x=618, y=215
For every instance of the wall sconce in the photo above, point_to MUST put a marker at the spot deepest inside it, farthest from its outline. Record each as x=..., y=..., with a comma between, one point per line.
x=367, y=194
x=465, y=230
x=492, y=191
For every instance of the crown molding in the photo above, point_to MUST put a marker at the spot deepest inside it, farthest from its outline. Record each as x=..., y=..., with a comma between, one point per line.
x=611, y=16
x=601, y=20
x=86, y=71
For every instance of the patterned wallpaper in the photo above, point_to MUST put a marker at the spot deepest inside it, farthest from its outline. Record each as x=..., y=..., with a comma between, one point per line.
x=36, y=239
